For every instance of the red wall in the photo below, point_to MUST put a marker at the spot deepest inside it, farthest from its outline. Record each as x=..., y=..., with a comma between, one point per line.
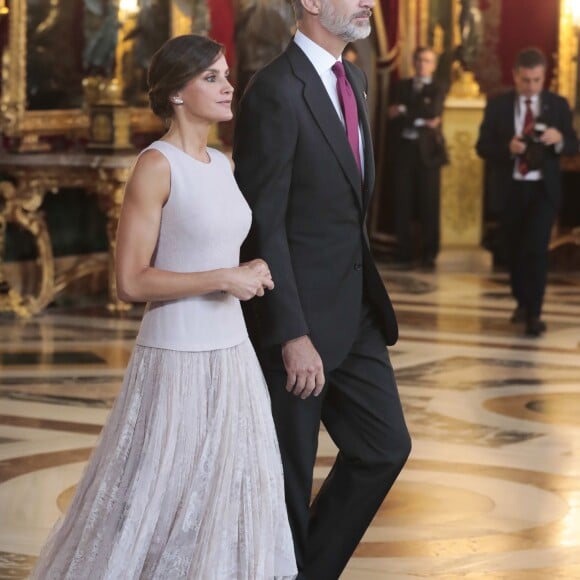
x=521, y=23
x=528, y=23
x=222, y=27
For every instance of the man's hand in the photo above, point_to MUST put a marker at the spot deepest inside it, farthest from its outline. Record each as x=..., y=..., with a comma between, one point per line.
x=517, y=146
x=551, y=136
x=304, y=367
x=396, y=110
x=433, y=123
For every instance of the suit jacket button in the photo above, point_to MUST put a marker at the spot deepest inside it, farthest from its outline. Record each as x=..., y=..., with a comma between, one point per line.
x=358, y=266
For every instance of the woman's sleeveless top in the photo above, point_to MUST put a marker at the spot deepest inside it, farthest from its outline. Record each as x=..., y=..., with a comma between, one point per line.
x=203, y=224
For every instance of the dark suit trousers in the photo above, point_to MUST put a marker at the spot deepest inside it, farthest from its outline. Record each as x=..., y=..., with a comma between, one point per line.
x=527, y=225
x=361, y=411
x=416, y=195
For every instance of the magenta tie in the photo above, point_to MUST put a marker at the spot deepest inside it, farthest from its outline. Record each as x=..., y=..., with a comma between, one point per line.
x=349, y=109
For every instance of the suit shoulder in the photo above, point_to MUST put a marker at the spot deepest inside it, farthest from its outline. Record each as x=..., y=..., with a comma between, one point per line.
x=273, y=72
x=441, y=86
x=403, y=82
x=275, y=79
x=499, y=101
x=559, y=100
x=502, y=97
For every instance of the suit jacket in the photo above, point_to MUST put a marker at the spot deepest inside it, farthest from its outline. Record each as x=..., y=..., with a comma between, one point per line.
x=297, y=171
x=425, y=104
x=498, y=129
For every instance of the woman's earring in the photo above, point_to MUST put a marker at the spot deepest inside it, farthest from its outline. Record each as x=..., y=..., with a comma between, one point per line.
x=177, y=100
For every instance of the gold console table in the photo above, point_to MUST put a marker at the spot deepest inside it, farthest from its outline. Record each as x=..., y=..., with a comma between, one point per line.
x=26, y=180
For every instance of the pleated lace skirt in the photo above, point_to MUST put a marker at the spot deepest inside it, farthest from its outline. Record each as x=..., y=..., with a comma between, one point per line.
x=186, y=481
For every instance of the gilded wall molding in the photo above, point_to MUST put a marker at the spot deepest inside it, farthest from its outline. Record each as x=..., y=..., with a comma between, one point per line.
x=567, y=65
x=462, y=179
x=13, y=98
x=17, y=121
x=408, y=35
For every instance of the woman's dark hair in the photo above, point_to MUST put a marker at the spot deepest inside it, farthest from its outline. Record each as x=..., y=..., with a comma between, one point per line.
x=179, y=60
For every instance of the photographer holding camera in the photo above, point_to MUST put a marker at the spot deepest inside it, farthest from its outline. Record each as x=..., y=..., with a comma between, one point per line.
x=522, y=136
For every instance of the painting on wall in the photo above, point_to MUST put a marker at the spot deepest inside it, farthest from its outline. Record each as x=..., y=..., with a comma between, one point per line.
x=68, y=40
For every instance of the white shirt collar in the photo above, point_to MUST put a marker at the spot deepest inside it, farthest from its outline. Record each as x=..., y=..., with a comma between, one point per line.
x=321, y=59
x=424, y=80
x=534, y=98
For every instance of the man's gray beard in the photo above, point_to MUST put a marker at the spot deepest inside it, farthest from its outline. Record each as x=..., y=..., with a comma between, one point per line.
x=343, y=28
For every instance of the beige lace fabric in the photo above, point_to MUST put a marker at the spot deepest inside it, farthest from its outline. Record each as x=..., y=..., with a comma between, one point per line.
x=186, y=481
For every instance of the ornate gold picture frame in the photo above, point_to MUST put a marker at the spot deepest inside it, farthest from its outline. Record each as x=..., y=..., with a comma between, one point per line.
x=18, y=120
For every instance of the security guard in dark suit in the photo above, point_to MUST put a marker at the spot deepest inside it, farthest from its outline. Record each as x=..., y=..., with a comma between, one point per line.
x=415, y=112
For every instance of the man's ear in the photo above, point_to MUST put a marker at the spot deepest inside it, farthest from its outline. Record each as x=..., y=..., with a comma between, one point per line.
x=311, y=6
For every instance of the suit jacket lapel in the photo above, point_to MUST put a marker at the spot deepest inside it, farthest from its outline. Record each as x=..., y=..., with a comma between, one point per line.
x=363, y=117
x=324, y=114
x=545, y=112
x=511, y=111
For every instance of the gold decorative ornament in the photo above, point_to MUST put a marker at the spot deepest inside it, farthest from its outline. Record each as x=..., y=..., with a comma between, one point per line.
x=463, y=85
x=109, y=117
x=566, y=78
x=32, y=177
x=462, y=179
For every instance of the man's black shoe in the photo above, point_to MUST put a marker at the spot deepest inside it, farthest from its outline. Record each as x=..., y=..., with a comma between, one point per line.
x=519, y=315
x=535, y=326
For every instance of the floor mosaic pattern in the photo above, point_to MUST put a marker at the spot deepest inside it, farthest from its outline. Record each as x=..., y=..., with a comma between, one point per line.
x=491, y=490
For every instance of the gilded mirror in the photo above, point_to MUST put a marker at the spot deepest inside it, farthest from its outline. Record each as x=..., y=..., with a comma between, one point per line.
x=53, y=45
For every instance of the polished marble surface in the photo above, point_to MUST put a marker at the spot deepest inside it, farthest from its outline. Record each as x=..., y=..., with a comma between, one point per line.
x=492, y=487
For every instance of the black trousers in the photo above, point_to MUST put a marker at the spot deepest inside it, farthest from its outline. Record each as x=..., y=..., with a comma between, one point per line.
x=361, y=410
x=416, y=189
x=527, y=226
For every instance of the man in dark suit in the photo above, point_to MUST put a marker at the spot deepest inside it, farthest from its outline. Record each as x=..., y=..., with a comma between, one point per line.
x=304, y=161
x=415, y=112
x=522, y=136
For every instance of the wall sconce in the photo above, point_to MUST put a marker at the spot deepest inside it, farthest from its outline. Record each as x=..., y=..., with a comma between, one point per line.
x=3, y=8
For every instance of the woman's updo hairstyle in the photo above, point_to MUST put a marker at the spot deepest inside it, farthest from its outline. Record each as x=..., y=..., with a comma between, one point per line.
x=179, y=60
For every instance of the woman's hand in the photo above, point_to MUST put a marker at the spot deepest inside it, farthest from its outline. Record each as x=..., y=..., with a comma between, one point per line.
x=249, y=279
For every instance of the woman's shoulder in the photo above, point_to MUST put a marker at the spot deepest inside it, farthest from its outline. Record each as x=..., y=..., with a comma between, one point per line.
x=152, y=160
x=151, y=174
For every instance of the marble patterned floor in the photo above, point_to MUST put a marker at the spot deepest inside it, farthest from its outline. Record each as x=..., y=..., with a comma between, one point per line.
x=492, y=487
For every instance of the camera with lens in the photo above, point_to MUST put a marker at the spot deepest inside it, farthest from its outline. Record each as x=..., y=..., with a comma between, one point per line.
x=535, y=149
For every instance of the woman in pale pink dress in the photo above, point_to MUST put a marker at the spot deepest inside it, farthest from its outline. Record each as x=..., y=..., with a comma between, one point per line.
x=186, y=481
